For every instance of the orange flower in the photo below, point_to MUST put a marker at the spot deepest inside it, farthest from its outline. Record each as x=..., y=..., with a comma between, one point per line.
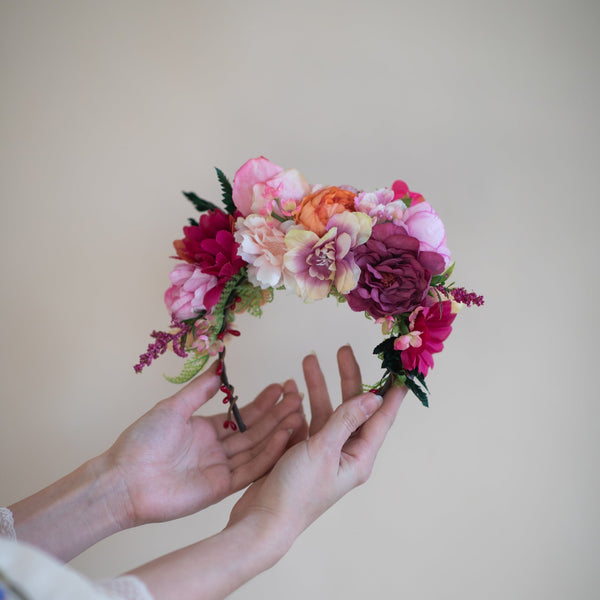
x=317, y=208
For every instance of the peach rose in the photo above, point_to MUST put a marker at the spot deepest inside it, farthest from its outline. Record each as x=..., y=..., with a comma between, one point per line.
x=317, y=208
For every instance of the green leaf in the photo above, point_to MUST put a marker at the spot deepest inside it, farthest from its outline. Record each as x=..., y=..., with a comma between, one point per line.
x=192, y=367
x=417, y=391
x=421, y=378
x=439, y=279
x=449, y=271
x=200, y=204
x=227, y=191
x=193, y=222
x=384, y=347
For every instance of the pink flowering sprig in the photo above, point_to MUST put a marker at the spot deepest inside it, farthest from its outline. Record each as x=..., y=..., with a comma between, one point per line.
x=163, y=339
x=460, y=294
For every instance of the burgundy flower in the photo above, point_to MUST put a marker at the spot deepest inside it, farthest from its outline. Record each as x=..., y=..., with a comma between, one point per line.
x=433, y=324
x=211, y=247
x=395, y=276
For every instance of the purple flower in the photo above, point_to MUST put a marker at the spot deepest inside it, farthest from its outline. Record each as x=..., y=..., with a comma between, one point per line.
x=314, y=264
x=395, y=276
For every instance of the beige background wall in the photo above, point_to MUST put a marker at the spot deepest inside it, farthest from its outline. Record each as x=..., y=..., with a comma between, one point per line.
x=490, y=109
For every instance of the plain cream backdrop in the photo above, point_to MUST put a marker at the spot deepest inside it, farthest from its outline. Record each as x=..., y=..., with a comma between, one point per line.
x=490, y=109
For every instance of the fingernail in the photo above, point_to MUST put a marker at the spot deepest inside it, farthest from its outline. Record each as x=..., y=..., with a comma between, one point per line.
x=369, y=403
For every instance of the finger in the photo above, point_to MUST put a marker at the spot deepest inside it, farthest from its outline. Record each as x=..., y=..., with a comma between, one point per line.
x=373, y=432
x=190, y=398
x=260, y=430
x=261, y=404
x=350, y=377
x=345, y=420
x=320, y=404
x=259, y=463
x=289, y=424
x=250, y=413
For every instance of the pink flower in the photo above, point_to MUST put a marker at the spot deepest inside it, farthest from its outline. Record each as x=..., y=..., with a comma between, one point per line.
x=423, y=223
x=402, y=192
x=211, y=247
x=434, y=325
x=413, y=338
x=262, y=246
x=381, y=205
x=394, y=276
x=314, y=264
x=206, y=339
x=185, y=298
x=262, y=187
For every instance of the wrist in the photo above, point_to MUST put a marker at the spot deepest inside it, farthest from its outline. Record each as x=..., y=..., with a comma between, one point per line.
x=213, y=568
x=271, y=536
x=75, y=512
x=111, y=490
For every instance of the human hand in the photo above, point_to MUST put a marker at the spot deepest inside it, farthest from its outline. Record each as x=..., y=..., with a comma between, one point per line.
x=338, y=455
x=173, y=463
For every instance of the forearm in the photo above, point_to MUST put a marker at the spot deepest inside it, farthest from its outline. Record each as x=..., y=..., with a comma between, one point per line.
x=215, y=567
x=74, y=513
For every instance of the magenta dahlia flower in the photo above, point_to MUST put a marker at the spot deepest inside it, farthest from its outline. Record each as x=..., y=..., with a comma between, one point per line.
x=211, y=247
x=432, y=324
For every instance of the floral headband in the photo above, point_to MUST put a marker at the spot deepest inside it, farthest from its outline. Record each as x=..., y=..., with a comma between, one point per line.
x=384, y=253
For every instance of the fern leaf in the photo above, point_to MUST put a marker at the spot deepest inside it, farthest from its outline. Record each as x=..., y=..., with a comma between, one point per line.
x=200, y=204
x=227, y=191
x=192, y=367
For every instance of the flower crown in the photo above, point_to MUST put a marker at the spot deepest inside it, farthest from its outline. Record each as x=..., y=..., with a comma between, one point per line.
x=384, y=253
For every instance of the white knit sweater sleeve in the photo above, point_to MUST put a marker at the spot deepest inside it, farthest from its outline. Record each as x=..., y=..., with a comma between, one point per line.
x=121, y=588
x=127, y=587
x=7, y=524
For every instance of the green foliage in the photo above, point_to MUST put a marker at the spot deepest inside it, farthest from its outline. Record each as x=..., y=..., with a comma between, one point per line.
x=192, y=367
x=227, y=191
x=200, y=204
x=441, y=279
x=193, y=222
x=340, y=298
x=220, y=309
x=391, y=361
x=252, y=298
x=413, y=386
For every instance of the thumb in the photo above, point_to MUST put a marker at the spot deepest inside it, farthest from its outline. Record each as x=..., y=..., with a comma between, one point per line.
x=347, y=418
x=190, y=398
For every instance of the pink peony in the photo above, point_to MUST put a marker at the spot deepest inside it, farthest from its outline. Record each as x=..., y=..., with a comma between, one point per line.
x=262, y=246
x=262, y=187
x=423, y=223
x=316, y=263
x=185, y=298
x=433, y=324
x=210, y=246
